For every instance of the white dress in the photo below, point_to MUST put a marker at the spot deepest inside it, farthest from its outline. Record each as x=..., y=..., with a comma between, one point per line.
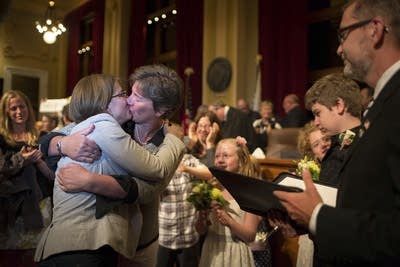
x=220, y=248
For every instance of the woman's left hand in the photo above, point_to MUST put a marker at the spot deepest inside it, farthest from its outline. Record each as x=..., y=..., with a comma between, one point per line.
x=73, y=178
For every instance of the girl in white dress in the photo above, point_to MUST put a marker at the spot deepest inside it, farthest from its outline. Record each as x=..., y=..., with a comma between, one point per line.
x=231, y=228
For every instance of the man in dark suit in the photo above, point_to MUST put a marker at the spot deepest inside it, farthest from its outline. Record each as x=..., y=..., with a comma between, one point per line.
x=363, y=229
x=234, y=123
x=295, y=115
x=244, y=107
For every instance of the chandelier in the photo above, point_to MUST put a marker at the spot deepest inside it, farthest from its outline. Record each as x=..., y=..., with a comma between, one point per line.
x=50, y=27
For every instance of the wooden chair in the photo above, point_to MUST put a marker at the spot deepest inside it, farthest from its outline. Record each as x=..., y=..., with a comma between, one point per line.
x=282, y=143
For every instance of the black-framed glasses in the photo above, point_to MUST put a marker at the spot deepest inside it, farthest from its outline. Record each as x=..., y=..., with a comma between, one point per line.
x=343, y=33
x=123, y=93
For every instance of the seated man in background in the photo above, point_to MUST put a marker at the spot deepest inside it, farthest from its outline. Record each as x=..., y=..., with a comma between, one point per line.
x=244, y=106
x=295, y=115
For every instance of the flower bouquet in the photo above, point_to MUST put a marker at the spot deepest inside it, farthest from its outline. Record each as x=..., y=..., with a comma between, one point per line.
x=309, y=164
x=204, y=194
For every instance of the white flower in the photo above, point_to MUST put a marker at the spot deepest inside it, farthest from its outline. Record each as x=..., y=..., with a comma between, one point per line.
x=261, y=237
x=346, y=138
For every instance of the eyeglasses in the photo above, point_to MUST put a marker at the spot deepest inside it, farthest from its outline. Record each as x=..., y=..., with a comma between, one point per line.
x=343, y=33
x=122, y=94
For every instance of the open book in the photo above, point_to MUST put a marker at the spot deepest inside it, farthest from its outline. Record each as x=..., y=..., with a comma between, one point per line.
x=256, y=196
x=327, y=192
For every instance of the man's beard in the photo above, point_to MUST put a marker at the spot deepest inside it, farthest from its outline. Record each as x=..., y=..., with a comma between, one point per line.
x=357, y=69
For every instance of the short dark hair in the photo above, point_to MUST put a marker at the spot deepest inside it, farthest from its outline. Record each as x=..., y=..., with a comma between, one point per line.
x=329, y=88
x=160, y=84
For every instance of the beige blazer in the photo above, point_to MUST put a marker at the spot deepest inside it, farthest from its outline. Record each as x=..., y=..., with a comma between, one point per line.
x=74, y=226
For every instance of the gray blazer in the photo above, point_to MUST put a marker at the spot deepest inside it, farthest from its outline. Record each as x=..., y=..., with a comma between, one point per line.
x=74, y=226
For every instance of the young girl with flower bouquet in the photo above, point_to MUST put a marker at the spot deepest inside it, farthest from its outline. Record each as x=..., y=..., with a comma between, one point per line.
x=312, y=144
x=231, y=228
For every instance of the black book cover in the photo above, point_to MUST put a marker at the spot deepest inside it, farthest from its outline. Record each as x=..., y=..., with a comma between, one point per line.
x=252, y=194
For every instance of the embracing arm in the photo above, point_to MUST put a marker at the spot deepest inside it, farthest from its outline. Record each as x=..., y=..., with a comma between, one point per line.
x=75, y=178
x=76, y=146
x=137, y=161
x=133, y=158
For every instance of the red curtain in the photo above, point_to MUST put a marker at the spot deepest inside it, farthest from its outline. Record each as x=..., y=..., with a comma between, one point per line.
x=189, y=42
x=283, y=45
x=73, y=20
x=137, y=36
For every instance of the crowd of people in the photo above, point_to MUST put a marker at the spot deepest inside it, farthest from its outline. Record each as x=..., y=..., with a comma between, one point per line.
x=111, y=187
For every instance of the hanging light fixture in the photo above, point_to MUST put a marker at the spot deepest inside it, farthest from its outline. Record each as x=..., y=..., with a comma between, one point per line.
x=51, y=27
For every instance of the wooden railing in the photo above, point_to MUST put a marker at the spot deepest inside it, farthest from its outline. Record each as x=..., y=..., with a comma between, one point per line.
x=271, y=167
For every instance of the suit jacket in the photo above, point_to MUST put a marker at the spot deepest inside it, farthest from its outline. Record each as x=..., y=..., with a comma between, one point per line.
x=74, y=226
x=334, y=158
x=238, y=124
x=294, y=118
x=364, y=228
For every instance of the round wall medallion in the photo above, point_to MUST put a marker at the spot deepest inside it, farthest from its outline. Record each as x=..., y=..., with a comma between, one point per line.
x=219, y=74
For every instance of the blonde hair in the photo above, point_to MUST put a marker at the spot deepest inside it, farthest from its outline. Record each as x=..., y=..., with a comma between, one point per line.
x=266, y=103
x=246, y=163
x=303, y=141
x=91, y=96
x=6, y=129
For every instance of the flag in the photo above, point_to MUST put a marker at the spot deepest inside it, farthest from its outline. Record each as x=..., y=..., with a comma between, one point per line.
x=187, y=105
x=257, y=92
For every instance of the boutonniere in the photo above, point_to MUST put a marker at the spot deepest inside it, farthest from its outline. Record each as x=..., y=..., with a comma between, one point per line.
x=346, y=138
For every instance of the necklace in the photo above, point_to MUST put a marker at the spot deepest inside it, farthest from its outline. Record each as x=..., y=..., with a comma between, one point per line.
x=149, y=136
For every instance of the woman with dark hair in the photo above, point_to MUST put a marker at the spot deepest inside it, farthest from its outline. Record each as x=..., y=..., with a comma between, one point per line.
x=204, y=134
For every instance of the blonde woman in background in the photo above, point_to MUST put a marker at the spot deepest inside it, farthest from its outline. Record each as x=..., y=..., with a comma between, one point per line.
x=25, y=208
x=265, y=124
